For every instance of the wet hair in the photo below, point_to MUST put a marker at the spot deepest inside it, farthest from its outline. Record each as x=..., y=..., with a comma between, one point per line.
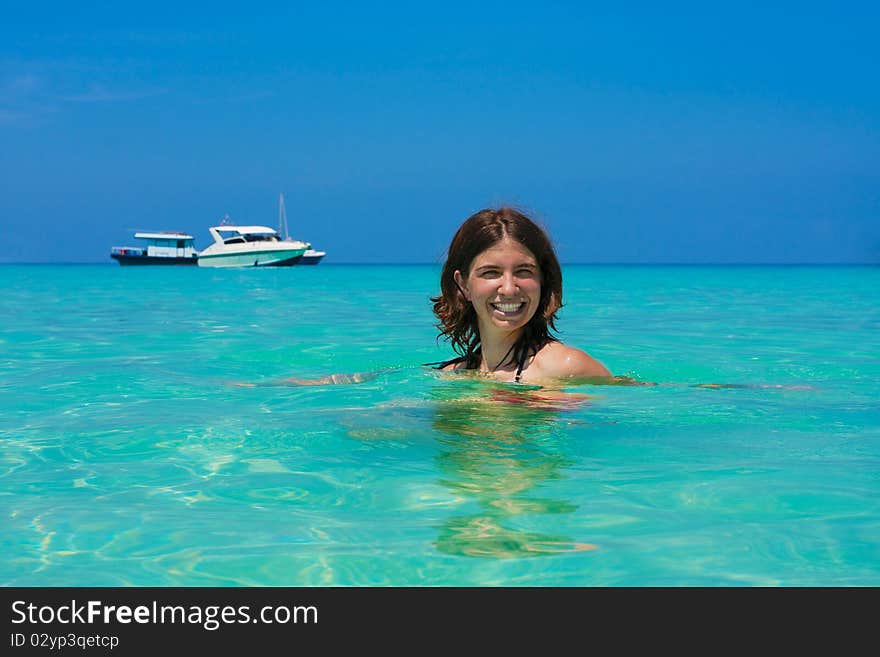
x=479, y=232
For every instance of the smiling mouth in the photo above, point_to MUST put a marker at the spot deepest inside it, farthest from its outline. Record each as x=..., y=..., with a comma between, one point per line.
x=509, y=308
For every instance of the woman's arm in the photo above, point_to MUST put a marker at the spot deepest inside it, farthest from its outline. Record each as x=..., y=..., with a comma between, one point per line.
x=330, y=379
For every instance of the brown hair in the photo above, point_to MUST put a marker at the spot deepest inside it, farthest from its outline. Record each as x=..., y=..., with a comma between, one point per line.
x=457, y=317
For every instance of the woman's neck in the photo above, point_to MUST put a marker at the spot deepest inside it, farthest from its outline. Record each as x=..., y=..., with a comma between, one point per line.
x=497, y=350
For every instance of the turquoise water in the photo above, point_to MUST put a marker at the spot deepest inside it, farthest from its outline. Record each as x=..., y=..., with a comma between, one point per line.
x=128, y=457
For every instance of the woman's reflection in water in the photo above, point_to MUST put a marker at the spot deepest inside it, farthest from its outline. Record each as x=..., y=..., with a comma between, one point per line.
x=498, y=448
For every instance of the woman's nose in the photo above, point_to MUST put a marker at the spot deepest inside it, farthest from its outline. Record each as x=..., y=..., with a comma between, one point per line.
x=508, y=285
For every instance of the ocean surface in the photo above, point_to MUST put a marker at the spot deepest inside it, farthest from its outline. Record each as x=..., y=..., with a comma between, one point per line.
x=129, y=456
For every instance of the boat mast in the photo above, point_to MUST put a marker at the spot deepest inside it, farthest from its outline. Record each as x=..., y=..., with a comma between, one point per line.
x=282, y=217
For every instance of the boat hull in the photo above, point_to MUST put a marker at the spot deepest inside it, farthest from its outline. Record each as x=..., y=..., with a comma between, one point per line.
x=252, y=259
x=310, y=260
x=126, y=260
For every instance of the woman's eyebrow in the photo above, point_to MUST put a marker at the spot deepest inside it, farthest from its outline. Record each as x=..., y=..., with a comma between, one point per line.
x=519, y=265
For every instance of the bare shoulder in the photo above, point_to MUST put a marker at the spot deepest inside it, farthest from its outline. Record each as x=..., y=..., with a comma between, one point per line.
x=560, y=361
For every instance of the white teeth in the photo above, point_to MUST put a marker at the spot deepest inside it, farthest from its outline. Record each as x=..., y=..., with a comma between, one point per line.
x=507, y=307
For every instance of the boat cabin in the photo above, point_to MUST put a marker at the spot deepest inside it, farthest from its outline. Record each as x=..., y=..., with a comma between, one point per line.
x=168, y=245
x=160, y=248
x=243, y=234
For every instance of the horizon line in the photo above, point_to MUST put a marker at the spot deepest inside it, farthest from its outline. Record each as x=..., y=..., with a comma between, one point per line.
x=857, y=263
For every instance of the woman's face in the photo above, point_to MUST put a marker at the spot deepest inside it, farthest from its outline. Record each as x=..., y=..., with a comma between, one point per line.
x=504, y=286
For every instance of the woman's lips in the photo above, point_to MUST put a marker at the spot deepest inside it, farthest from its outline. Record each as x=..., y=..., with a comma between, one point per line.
x=509, y=308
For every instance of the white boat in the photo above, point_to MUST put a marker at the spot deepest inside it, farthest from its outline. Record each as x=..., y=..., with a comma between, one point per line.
x=250, y=246
x=310, y=257
x=162, y=248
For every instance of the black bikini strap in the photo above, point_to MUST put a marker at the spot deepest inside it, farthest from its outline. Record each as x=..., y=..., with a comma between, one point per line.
x=522, y=363
x=523, y=354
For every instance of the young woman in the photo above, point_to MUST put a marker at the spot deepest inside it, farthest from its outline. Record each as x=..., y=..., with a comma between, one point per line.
x=500, y=290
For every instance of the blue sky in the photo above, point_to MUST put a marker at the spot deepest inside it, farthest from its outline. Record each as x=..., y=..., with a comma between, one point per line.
x=636, y=132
